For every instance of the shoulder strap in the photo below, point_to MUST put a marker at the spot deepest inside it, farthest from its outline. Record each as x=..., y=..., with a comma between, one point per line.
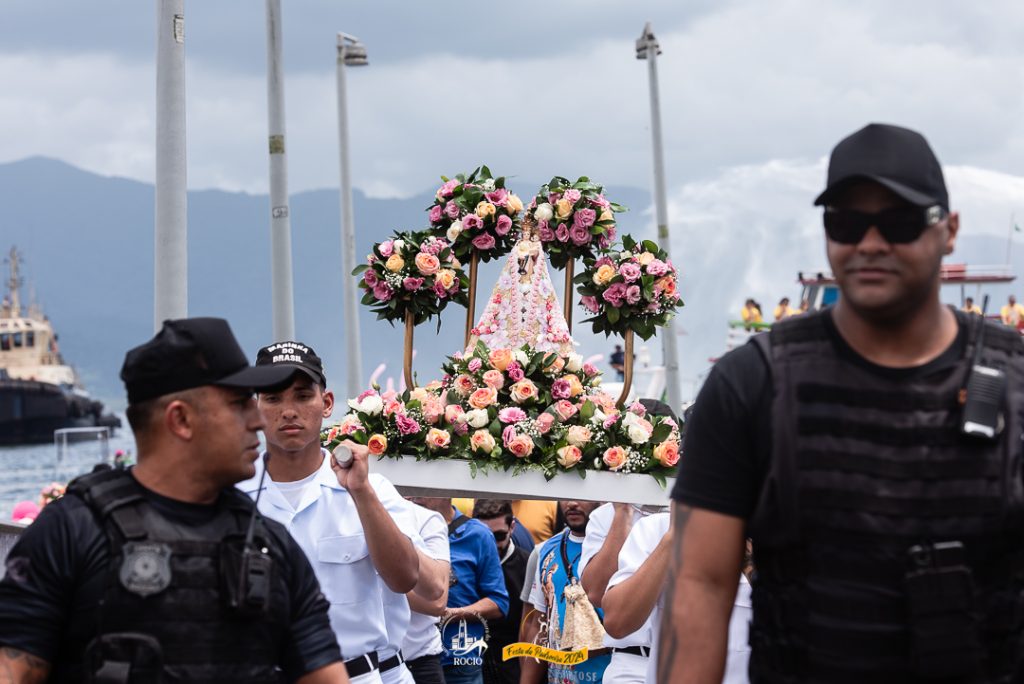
x=456, y=523
x=114, y=494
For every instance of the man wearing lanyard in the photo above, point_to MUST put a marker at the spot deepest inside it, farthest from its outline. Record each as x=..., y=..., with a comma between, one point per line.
x=342, y=517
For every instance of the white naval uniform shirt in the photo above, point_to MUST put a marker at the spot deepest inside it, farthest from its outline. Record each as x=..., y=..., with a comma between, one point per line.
x=416, y=634
x=326, y=525
x=642, y=540
x=597, y=531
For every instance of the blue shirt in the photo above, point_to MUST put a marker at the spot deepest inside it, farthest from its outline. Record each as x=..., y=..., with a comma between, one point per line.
x=551, y=573
x=477, y=569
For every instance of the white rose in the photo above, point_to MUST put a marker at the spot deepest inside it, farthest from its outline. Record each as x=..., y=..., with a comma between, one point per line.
x=575, y=363
x=399, y=245
x=637, y=434
x=453, y=231
x=544, y=212
x=521, y=356
x=630, y=419
x=625, y=255
x=372, y=405
x=488, y=185
x=476, y=418
x=599, y=416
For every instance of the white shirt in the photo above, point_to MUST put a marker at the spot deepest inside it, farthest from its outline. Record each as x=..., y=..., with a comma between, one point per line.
x=415, y=633
x=326, y=525
x=642, y=540
x=598, y=526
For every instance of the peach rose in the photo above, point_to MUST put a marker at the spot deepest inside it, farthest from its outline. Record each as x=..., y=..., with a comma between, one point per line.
x=446, y=277
x=604, y=274
x=394, y=263
x=575, y=386
x=426, y=264
x=494, y=379
x=485, y=209
x=419, y=394
x=500, y=358
x=544, y=423
x=556, y=366
x=645, y=258
x=454, y=414
x=482, y=440
x=521, y=446
x=523, y=391
x=377, y=444
x=391, y=406
x=667, y=284
x=578, y=435
x=434, y=386
x=568, y=456
x=483, y=397
x=464, y=385
x=667, y=453
x=614, y=457
x=606, y=215
x=349, y=425
x=514, y=204
x=438, y=439
x=563, y=208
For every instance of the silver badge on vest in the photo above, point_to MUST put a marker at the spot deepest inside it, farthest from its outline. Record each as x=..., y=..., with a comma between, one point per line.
x=146, y=568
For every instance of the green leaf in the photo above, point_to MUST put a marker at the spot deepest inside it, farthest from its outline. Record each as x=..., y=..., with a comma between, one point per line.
x=651, y=246
x=613, y=314
x=359, y=269
x=661, y=433
x=660, y=477
x=587, y=410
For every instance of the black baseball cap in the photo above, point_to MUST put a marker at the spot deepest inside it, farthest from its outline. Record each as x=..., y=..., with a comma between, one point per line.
x=896, y=158
x=295, y=356
x=189, y=353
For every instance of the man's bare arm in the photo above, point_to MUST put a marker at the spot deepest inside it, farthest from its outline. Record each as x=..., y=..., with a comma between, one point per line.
x=605, y=562
x=433, y=582
x=704, y=569
x=19, y=667
x=329, y=674
x=531, y=670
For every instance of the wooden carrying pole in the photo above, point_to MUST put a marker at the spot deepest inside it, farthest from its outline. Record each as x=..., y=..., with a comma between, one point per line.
x=627, y=373
x=410, y=324
x=567, y=302
x=471, y=307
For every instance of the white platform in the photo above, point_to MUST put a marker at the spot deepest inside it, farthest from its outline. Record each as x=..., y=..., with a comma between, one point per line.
x=453, y=478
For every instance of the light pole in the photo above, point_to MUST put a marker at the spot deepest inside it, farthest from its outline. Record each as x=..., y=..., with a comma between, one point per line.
x=170, y=201
x=351, y=52
x=280, y=225
x=647, y=48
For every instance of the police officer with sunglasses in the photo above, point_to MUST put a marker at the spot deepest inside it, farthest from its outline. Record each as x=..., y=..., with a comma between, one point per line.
x=871, y=450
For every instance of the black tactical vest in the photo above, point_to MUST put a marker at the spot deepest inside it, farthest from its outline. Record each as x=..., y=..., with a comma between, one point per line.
x=864, y=469
x=165, y=608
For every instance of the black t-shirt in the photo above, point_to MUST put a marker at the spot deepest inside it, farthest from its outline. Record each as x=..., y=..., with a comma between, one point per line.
x=727, y=447
x=57, y=572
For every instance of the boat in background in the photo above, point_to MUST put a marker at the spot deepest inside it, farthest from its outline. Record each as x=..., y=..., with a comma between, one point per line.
x=39, y=392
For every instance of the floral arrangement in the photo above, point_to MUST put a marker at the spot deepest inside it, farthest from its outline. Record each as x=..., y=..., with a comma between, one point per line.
x=51, y=493
x=632, y=289
x=413, y=271
x=513, y=410
x=476, y=214
x=573, y=219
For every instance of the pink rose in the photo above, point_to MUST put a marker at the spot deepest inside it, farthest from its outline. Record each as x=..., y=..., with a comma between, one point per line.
x=615, y=294
x=523, y=391
x=439, y=290
x=412, y=283
x=544, y=232
x=382, y=291
x=406, y=425
x=632, y=294
x=584, y=218
x=499, y=197
x=386, y=248
x=560, y=389
x=483, y=397
x=603, y=261
x=521, y=446
x=451, y=210
x=573, y=195
x=590, y=304
x=433, y=246
x=657, y=268
x=508, y=434
x=435, y=213
x=512, y=414
x=614, y=457
x=427, y=264
x=589, y=369
x=601, y=202
x=515, y=371
x=448, y=189
x=630, y=271
x=503, y=225
x=565, y=409
x=554, y=197
x=638, y=408
x=370, y=277
x=562, y=232
x=475, y=364
x=494, y=379
x=484, y=242
x=454, y=414
x=464, y=385
x=580, y=236
x=544, y=423
x=472, y=222
x=610, y=420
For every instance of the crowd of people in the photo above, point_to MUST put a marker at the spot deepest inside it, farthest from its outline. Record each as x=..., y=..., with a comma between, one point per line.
x=751, y=314
x=849, y=508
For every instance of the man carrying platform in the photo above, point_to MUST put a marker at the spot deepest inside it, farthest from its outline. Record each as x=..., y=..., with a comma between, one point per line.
x=873, y=452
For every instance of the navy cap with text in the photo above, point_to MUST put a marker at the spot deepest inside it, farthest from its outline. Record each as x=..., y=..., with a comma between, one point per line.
x=295, y=355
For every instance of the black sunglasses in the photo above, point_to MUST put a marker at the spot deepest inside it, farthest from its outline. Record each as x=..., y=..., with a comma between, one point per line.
x=898, y=226
x=500, y=535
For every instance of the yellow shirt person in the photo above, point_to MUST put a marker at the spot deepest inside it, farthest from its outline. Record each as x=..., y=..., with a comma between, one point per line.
x=784, y=310
x=970, y=307
x=1012, y=313
x=751, y=313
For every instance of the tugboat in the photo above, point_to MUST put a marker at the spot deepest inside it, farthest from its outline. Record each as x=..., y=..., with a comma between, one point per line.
x=39, y=393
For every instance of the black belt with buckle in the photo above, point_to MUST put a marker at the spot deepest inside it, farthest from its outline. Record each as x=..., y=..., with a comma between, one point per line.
x=361, y=665
x=392, y=662
x=642, y=651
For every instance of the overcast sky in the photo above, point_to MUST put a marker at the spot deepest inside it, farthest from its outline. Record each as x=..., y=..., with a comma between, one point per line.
x=532, y=88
